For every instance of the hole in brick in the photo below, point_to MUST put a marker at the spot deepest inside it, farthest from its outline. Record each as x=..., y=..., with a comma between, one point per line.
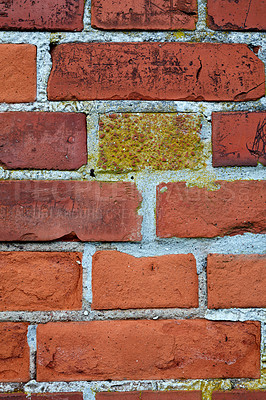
x=92, y=173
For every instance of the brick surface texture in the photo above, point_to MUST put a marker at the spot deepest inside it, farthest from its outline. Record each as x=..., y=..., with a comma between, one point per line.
x=236, y=139
x=232, y=209
x=43, y=140
x=14, y=352
x=48, y=15
x=40, y=281
x=238, y=16
x=50, y=210
x=123, y=281
x=236, y=280
x=132, y=200
x=152, y=71
x=167, y=349
x=156, y=15
x=17, y=73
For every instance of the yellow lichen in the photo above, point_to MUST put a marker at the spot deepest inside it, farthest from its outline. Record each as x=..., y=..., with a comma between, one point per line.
x=157, y=141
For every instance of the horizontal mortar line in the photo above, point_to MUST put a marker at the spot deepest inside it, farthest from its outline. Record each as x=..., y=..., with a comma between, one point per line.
x=93, y=35
x=41, y=317
x=229, y=174
x=162, y=246
x=129, y=105
x=57, y=386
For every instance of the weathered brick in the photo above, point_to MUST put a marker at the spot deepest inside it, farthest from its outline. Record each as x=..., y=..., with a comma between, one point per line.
x=40, y=281
x=122, y=281
x=171, y=395
x=155, y=71
x=236, y=207
x=131, y=141
x=150, y=395
x=156, y=15
x=48, y=210
x=236, y=280
x=17, y=73
x=57, y=396
x=13, y=396
x=162, y=349
x=239, y=395
x=43, y=140
x=14, y=352
x=244, y=15
x=237, y=138
x=48, y=15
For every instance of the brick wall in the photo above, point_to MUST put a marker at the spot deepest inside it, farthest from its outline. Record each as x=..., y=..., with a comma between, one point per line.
x=132, y=200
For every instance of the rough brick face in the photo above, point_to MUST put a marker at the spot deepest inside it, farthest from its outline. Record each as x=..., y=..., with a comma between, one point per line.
x=237, y=138
x=40, y=281
x=17, y=73
x=156, y=15
x=131, y=141
x=43, y=140
x=13, y=396
x=150, y=395
x=239, y=395
x=41, y=211
x=236, y=280
x=155, y=71
x=57, y=396
x=14, y=352
x=122, y=281
x=235, y=208
x=244, y=15
x=166, y=349
x=48, y=15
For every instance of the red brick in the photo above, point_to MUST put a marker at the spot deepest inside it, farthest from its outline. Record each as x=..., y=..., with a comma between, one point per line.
x=237, y=138
x=14, y=352
x=13, y=396
x=17, y=73
x=57, y=396
x=43, y=140
x=122, y=281
x=171, y=395
x=40, y=281
x=150, y=395
x=48, y=210
x=239, y=395
x=156, y=15
x=235, y=208
x=241, y=15
x=155, y=71
x=48, y=15
x=163, y=349
x=236, y=280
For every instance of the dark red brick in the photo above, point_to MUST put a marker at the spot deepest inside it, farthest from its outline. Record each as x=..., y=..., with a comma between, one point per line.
x=57, y=396
x=48, y=15
x=48, y=210
x=13, y=396
x=244, y=15
x=139, y=349
x=235, y=208
x=18, y=75
x=239, y=395
x=237, y=138
x=150, y=395
x=155, y=15
x=43, y=140
x=14, y=352
x=122, y=281
x=155, y=71
x=40, y=281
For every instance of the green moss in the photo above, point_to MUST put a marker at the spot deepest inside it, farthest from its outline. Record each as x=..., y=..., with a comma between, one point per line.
x=157, y=141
